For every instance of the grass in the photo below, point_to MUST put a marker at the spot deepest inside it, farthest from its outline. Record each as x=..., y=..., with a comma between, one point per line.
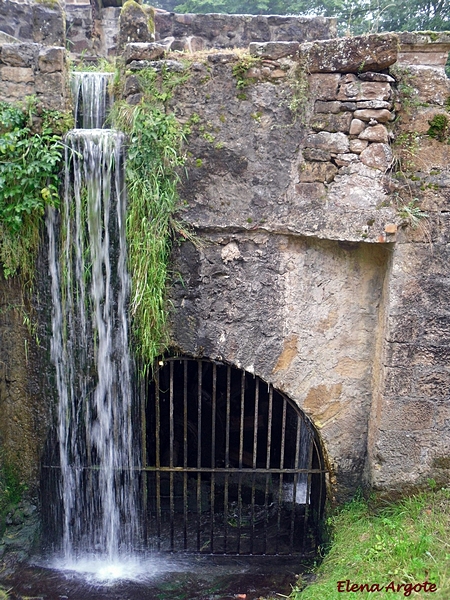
x=154, y=158
x=406, y=542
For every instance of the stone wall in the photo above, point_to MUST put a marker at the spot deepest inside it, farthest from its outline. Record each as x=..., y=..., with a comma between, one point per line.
x=30, y=21
x=315, y=274
x=310, y=167
x=29, y=69
x=196, y=32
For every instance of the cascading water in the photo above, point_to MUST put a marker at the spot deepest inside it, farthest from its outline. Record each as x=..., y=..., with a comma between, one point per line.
x=91, y=99
x=90, y=284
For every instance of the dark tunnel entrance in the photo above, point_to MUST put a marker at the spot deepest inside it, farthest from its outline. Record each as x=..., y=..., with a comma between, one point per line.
x=229, y=465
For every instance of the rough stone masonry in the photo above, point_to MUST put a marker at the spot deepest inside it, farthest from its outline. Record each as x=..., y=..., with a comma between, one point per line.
x=322, y=199
x=323, y=203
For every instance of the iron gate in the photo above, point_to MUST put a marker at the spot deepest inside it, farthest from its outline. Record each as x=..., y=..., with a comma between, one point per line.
x=229, y=465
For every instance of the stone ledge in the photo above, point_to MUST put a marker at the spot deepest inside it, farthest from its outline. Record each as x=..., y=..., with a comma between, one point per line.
x=350, y=55
x=427, y=48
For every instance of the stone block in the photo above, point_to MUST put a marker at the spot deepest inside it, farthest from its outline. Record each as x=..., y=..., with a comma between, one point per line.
x=15, y=91
x=19, y=55
x=48, y=25
x=331, y=122
x=377, y=156
x=50, y=84
x=317, y=171
x=332, y=142
x=324, y=86
x=357, y=126
x=273, y=50
x=375, y=104
x=406, y=415
x=51, y=59
x=431, y=84
x=434, y=385
x=357, y=146
x=316, y=154
x=367, y=114
x=143, y=51
x=364, y=90
x=375, y=133
x=17, y=74
x=327, y=107
x=351, y=55
x=343, y=160
x=372, y=76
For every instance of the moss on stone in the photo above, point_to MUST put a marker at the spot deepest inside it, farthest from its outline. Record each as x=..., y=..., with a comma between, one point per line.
x=150, y=11
x=130, y=5
x=53, y=4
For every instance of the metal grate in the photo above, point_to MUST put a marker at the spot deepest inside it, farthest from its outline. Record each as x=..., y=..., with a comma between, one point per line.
x=229, y=465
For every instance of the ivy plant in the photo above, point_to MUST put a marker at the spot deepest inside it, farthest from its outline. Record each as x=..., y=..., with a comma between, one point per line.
x=30, y=162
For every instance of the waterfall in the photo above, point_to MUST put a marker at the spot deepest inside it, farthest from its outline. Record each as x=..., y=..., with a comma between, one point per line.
x=89, y=91
x=90, y=346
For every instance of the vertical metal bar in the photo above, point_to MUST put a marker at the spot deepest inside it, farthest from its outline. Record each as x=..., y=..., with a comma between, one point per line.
x=143, y=385
x=280, y=485
x=199, y=450
x=172, y=440
x=254, y=462
x=227, y=459
x=185, y=453
x=268, y=458
x=157, y=461
x=241, y=452
x=294, y=490
x=213, y=453
x=308, y=483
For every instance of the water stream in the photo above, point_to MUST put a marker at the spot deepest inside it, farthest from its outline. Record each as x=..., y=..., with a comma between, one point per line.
x=90, y=349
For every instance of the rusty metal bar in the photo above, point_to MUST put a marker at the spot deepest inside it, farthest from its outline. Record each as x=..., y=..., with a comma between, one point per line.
x=213, y=454
x=241, y=454
x=199, y=450
x=171, y=448
x=308, y=484
x=158, y=462
x=254, y=461
x=280, y=483
x=227, y=459
x=296, y=479
x=185, y=454
x=268, y=458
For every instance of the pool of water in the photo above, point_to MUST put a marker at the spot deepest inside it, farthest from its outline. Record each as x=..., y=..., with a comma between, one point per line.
x=156, y=578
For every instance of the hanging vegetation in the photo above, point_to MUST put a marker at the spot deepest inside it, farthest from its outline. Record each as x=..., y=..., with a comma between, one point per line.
x=154, y=157
x=30, y=161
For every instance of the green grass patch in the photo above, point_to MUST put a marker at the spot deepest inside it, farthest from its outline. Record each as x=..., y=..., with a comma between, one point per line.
x=405, y=544
x=154, y=157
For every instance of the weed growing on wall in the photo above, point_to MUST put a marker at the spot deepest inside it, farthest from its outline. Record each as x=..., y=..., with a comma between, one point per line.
x=154, y=158
x=30, y=160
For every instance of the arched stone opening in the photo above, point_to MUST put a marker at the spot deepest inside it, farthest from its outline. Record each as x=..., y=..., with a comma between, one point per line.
x=230, y=465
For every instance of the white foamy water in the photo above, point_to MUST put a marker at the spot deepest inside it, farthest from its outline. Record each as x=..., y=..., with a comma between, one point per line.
x=90, y=348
